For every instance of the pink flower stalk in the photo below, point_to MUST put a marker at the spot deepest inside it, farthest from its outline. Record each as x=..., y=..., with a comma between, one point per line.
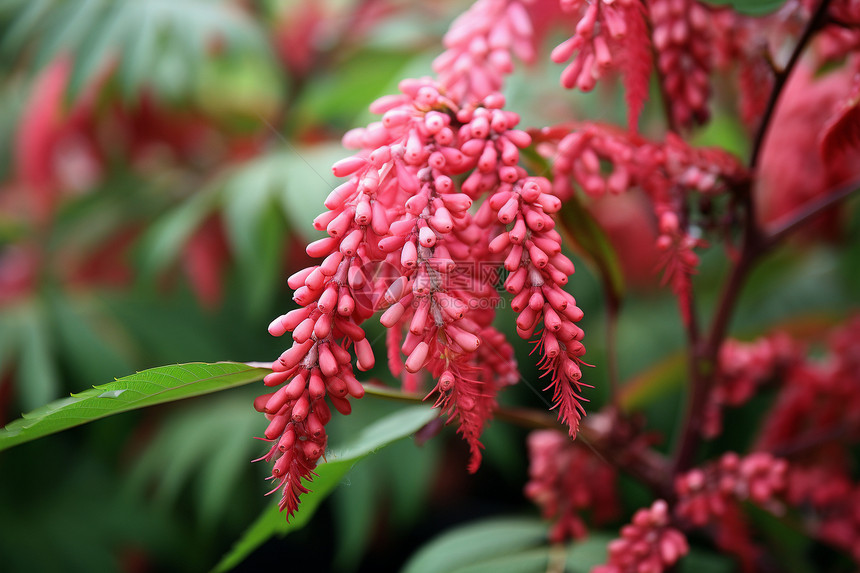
x=819, y=396
x=666, y=171
x=649, y=544
x=401, y=238
x=682, y=36
x=743, y=368
x=609, y=36
x=531, y=248
x=705, y=494
x=829, y=504
x=566, y=479
x=479, y=45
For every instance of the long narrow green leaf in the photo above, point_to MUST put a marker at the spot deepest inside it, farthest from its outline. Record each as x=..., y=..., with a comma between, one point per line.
x=271, y=522
x=146, y=388
x=752, y=7
x=478, y=542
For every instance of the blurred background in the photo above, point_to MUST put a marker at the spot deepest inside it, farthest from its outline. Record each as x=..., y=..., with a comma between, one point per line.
x=160, y=165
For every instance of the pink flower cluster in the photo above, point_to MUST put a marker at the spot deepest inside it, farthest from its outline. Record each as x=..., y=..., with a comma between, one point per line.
x=566, y=479
x=479, y=46
x=649, y=544
x=681, y=32
x=608, y=36
x=819, y=397
x=401, y=238
x=705, y=494
x=829, y=504
x=743, y=368
x=602, y=159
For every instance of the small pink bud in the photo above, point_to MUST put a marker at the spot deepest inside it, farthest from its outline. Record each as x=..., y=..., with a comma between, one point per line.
x=350, y=244
x=418, y=358
x=316, y=386
x=345, y=304
x=296, y=386
x=550, y=203
x=427, y=237
x=287, y=441
x=391, y=244
x=322, y=328
x=276, y=378
x=336, y=387
x=509, y=211
x=365, y=354
x=327, y=362
x=315, y=280
x=298, y=279
x=518, y=233
x=340, y=194
x=353, y=386
x=392, y=316
x=499, y=244
x=304, y=330
x=276, y=427
x=348, y=166
x=419, y=319
x=457, y=202
x=396, y=291
x=288, y=322
x=516, y=281
x=323, y=219
x=441, y=221
x=331, y=263
x=321, y=247
x=409, y=255
x=467, y=341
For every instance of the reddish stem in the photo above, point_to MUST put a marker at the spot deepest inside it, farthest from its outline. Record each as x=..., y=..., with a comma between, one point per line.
x=703, y=361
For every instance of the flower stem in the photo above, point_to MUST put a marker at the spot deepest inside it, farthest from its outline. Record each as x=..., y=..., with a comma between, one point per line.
x=816, y=21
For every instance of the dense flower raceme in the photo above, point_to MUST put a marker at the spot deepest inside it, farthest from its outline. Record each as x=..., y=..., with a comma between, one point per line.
x=608, y=36
x=565, y=478
x=743, y=368
x=479, y=46
x=828, y=503
x=668, y=172
x=709, y=497
x=816, y=396
x=648, y=544
x=820, y=397
x=401, y=237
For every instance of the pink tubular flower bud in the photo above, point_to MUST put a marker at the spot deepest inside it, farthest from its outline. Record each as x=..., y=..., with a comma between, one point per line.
x=365, y=354
x=321, y=247
x=418, y=358
x=348, y=166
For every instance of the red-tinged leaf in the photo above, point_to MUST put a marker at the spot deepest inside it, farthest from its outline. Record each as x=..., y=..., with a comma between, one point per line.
x=637, y=61
x=842, y=132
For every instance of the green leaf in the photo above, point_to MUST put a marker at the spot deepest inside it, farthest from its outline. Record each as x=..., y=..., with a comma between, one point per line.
x=163, y=242
x=90, y=352
x=379, y=434
x=752, y=7
x=580, y=228
x=531, y=561
x=477, y=542
x=160, y=44
x=146, y=388
x=583, y=555
x=37, y=375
